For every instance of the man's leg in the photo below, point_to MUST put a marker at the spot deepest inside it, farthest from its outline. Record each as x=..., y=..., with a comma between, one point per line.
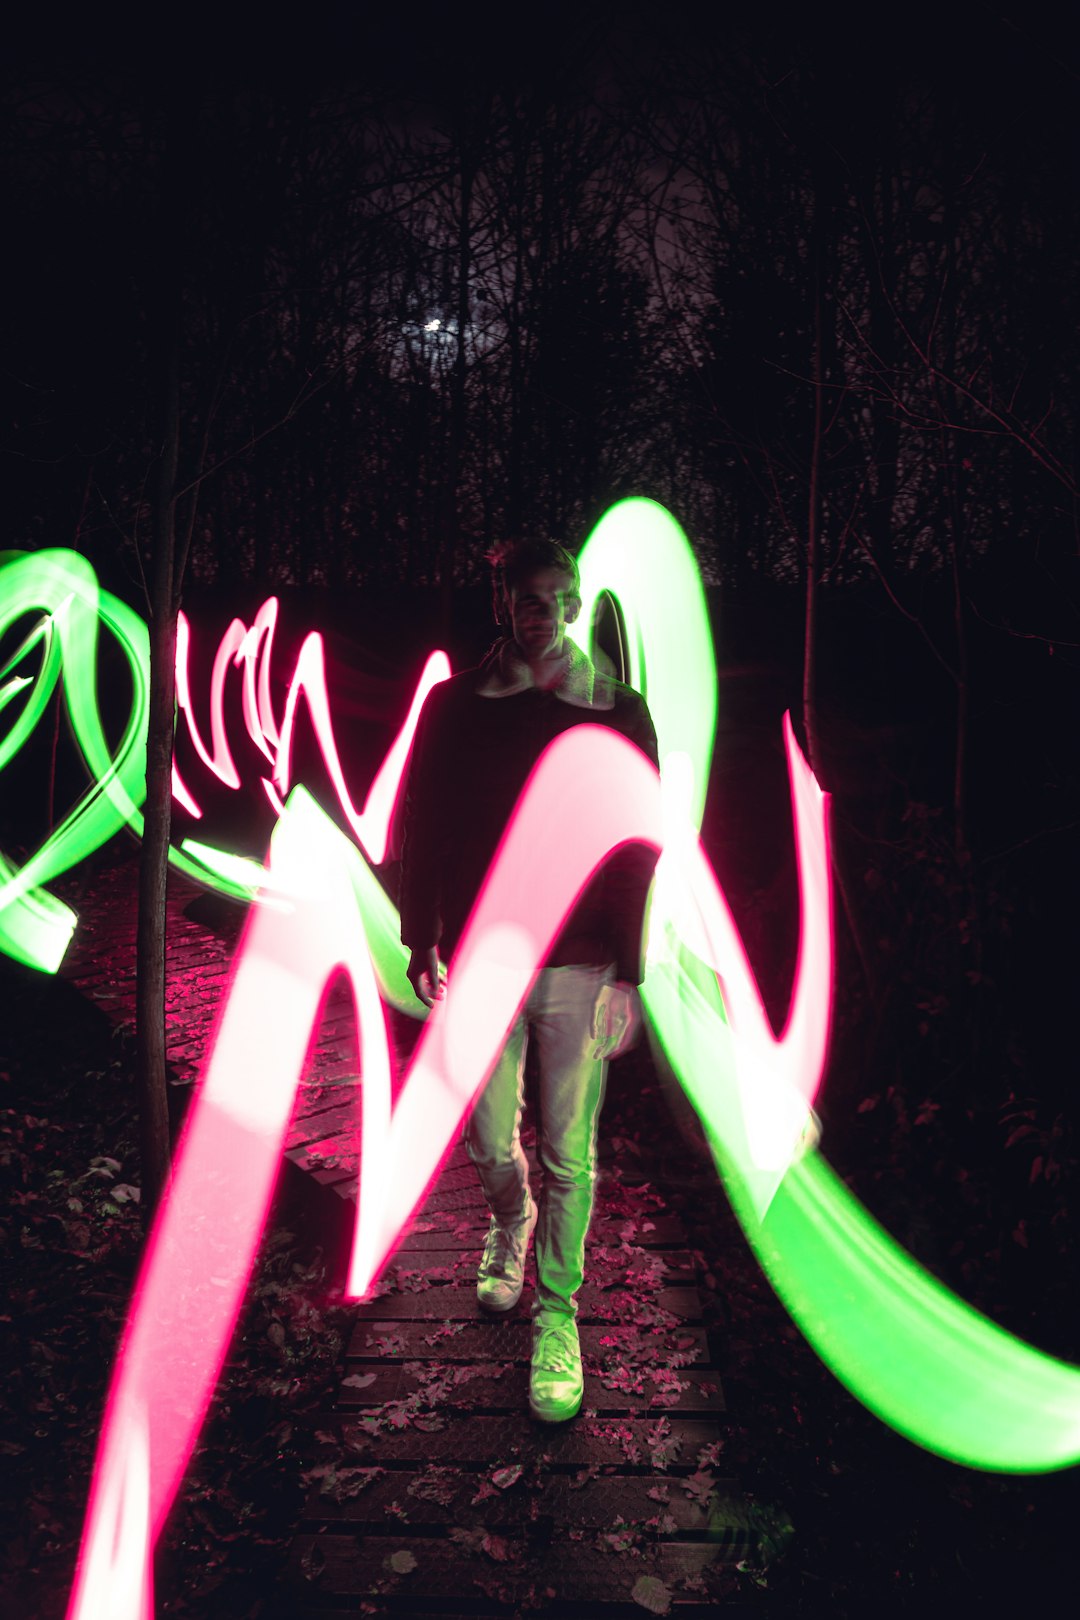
x=492, y=1137
x=572, y=1086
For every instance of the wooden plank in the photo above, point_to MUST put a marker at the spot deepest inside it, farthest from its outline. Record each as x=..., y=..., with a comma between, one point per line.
x=685, y=1606
x=340, y=1180
x=321, y=1091
x=508, y=1339
x=431, y=1228
x=463, y=1209
x=340, y=1120
x=505, y=1387
x=435, y=1496
x=624, y=1442
x=445, y=1302
x=509, y=1571
x=612, y=1265
x=607, y=1208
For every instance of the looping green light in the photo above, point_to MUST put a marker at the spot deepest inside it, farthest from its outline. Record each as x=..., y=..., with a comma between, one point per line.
x=908, y=1348
x=35, y=927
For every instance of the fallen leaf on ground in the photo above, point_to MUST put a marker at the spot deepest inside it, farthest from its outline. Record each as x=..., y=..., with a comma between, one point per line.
x=651, y=1593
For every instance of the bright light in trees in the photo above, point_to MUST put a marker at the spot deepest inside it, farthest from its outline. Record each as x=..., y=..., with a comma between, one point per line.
x=432, y=326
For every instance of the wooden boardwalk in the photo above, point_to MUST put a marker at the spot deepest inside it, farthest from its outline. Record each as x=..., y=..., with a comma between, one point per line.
x=431, y=1491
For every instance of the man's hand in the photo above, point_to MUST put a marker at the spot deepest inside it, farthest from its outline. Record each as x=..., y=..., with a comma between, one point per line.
x=810, y=1138
x=427, y=975
x=616, y=1020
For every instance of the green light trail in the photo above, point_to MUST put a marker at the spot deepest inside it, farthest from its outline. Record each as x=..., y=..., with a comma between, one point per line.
x=61, y=586
x=920, y=1358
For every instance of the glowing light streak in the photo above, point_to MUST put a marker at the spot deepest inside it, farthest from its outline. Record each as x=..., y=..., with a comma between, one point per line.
x=277, y=803
x=183, y=796
x=639, y=555
x=41, y=632
x=385, y=790
x=236, y=872
x=35, y=927
x=192, y=1281
x=253, y=650
x=593, y=781
x=774, y=1080
x=258, y=709
x=205, y=1238
x=115, y=1580
x=371, y=825
x=284, y=968
x=914, y=1353
x=919, y=1357
x=220, y=761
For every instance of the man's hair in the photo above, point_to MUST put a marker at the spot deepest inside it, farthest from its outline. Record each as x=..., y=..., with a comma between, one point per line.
x=513, y=560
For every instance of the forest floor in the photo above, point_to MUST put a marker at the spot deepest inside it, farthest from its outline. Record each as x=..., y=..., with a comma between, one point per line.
x=878, y=1524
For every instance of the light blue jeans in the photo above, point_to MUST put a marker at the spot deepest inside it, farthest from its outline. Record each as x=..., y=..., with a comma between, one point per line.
x=559, y=1013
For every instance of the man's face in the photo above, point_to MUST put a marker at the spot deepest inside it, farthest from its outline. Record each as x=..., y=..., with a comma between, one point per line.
x=541, y=606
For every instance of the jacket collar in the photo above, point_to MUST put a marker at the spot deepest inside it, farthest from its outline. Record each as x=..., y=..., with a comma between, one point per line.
x=504, y=673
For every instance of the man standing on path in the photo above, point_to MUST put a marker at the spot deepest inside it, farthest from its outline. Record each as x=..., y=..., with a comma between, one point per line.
x=479, y=736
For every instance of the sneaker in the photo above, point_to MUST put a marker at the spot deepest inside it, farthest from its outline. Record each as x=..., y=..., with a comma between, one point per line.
x=556, y=1383
x=501, y=1276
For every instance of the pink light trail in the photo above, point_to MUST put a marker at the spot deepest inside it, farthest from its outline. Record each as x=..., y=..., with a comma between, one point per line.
x=253, y=650
x=192, y=1284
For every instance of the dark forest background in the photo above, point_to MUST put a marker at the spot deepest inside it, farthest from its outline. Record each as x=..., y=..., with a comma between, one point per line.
x=436, y=284
x=398, y=288
x=395, y=288
x=412, y=285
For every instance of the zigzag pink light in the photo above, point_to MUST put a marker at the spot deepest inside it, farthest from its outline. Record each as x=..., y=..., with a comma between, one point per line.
x=193, y=1279
x=253, y=649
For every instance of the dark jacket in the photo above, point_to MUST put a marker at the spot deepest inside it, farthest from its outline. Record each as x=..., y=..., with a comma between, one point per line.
x=470, y=760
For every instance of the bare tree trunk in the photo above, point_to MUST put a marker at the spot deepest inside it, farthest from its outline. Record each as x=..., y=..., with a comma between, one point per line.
x=448, y=540
x=963, y=675
x=821, y=226
x=54, y=739
x=813, y=517
x=154, y=854
x=950, y=455
x=518, y=431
